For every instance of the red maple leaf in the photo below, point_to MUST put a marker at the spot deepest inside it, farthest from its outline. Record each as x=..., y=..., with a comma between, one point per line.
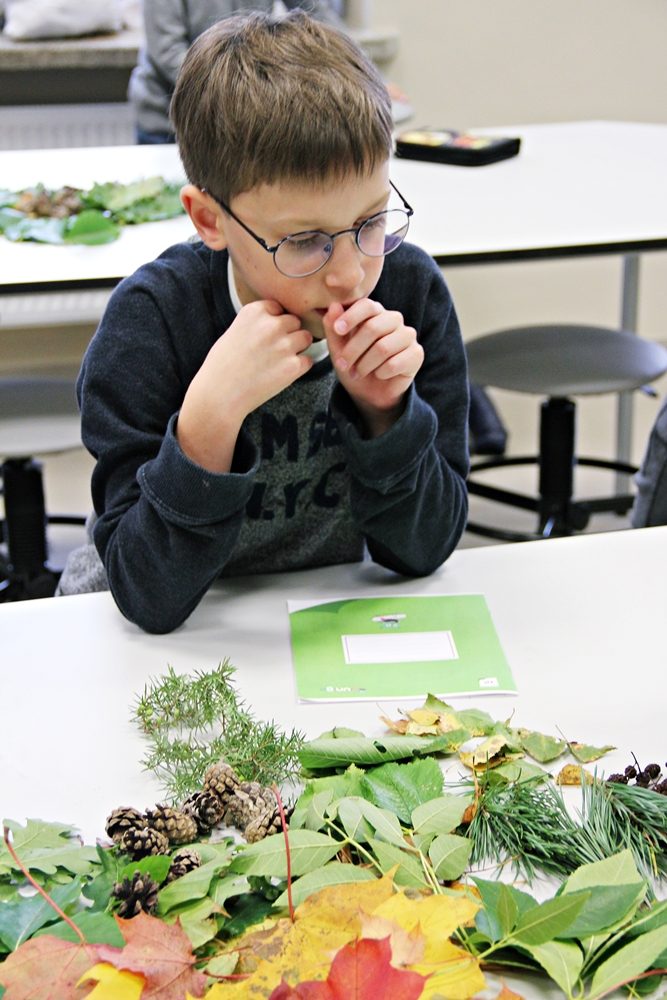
x=361, y=970
x=161, y=953
x=47, y=968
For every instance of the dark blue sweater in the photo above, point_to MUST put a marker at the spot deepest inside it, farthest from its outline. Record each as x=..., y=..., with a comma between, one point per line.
x=306, y=487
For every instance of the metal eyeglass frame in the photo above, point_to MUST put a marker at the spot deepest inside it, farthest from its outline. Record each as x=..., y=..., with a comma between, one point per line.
x=409, y=211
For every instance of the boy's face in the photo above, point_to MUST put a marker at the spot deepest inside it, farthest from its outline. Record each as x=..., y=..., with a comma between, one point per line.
x=274, y=211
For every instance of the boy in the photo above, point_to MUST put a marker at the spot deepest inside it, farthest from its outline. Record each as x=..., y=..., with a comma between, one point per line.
x=291, y=389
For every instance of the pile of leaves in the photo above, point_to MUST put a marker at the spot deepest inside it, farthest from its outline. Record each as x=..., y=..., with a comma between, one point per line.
x=362, y=896
x=91, y=216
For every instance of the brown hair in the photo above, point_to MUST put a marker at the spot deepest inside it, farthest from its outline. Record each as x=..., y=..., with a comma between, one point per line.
x=263, y=99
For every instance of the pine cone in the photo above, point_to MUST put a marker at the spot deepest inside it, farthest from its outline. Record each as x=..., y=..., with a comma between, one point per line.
x=249, y=800
x=135, y=894
x=182, y=862
x=266, y=822
x=221, y=779
x=205, y=808
x=176, y=826
x=140, y=843
x=122, y=819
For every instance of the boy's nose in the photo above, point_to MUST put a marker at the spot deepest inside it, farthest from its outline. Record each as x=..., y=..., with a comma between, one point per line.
x=344, y=268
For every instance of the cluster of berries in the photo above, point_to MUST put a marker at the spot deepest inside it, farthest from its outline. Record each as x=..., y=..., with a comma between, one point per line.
x=650, y=777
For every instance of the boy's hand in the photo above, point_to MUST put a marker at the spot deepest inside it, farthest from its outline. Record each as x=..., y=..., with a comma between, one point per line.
x=257, y=357
x=376, y=357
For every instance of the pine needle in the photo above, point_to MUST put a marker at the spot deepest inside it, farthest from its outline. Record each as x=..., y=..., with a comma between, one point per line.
x=190, y=721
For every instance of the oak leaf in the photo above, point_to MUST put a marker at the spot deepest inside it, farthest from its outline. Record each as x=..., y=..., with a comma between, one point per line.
x=47, y=968
x=159, y=952
x=361, y=970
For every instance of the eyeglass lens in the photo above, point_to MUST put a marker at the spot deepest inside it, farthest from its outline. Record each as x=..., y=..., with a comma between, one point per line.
x=306, y=253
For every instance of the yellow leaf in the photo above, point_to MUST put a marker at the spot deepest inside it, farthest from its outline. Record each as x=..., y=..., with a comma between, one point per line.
x=406, y=947
x=399, y=726
x=113, y=983
x=424, y=717
x=570, y=774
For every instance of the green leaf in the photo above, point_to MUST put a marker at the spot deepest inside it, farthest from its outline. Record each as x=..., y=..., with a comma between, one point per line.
x=477, y=722
x=384, y=822
x=247, y=910
x=619, y=869
x=541, y=747
x=9, y=217
x=193, y=885
x=97, y=928
x=587, y=754
x=90, y=227
x=354, y=822
x=197, y=920
x=608, y=907
x=21, y=919
x=308, y=850
x=440, y=815
x=409, y=871
x=330, y=753
x=629, y=962
x=156, y=867
x=45, y=847
x=502, y=906
x=310, y=809
x=519, y=771
x=549, y=920
x=117, y=196
x=334, y=873
x=402, y=787
x=229, y=886
x=341, y=733
x=449, y=855
x=561, y=960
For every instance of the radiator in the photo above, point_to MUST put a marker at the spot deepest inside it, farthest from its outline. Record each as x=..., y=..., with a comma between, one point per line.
x=49, y=126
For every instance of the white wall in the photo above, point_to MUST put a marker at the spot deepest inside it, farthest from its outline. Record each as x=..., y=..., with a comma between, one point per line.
x=498, y=62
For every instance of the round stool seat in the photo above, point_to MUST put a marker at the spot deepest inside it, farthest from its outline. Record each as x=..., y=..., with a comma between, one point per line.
x=564, y=360
x=38, y=416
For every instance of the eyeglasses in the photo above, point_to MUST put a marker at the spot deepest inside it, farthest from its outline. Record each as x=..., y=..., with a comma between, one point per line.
x=305, y=253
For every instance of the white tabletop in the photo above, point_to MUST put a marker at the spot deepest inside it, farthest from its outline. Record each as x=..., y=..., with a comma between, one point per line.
x=582, y=187
x=581, y=621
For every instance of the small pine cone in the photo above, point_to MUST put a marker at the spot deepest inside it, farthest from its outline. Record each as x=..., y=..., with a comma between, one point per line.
x=140, y=843
x=205, y=808
x=122, y=819
x=266, y=822
x=249, y=800
x=176, y=826
x=221, y=779
x=182, y=862
x=135, y=894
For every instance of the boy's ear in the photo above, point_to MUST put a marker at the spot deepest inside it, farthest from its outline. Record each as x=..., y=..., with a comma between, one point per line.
x=206, y=216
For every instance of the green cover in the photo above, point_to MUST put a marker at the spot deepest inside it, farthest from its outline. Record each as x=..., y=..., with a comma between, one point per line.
x=367, y=648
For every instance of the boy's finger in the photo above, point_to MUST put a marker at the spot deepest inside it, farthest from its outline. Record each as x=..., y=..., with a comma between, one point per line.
x=357, y=313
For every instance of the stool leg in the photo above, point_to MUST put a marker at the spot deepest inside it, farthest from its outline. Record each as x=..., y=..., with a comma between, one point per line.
x=556, y=483
x=25, y=531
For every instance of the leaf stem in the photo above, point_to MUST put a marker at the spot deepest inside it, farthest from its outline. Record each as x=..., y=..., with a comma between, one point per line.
x=38, y=887
x=283, y=823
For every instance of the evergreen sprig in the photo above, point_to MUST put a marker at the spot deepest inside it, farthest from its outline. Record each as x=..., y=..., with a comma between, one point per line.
x=190, y=721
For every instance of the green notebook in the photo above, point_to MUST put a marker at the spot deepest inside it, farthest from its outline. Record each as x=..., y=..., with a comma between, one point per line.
x=367, y=648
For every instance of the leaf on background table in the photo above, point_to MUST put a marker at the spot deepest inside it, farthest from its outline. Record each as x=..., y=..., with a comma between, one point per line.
x=45, y=847
x=587, y=754
x=542, y=748
x=90, y=227
x=403, y=787
x=46, y=968
x=361, y=970
x=161, y=953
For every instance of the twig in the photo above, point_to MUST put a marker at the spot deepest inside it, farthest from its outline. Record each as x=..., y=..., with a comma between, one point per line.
x=283, y=823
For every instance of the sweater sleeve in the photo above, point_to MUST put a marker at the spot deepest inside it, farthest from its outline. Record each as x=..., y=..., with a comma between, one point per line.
x=408, y=490
x=165, y=526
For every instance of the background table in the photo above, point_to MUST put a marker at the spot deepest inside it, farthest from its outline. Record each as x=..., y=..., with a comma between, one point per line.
x=581, y=621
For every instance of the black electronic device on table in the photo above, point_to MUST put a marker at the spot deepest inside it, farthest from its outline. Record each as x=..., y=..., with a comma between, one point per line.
x=458, y=148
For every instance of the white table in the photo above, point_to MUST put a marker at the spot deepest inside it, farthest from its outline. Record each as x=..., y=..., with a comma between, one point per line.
x=576, y=188
x=581, y=621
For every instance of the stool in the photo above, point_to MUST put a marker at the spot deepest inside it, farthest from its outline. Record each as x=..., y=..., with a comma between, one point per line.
x=38, y=416
x=558, y=361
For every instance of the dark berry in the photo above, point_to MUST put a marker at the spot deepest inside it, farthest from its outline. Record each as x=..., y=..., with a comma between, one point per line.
x=652, y=770
x=618, y=779
x=630, y=771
